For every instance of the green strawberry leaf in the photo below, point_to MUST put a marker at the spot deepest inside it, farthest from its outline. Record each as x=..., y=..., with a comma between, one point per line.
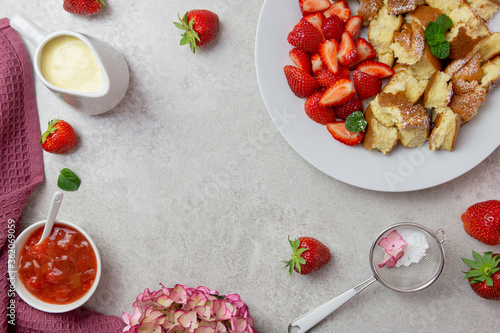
x=489, y=281
x=445, y=22
x=471, y=263
x=68, y=181
x=178, y=25
x=477, y=257
x=355, y=122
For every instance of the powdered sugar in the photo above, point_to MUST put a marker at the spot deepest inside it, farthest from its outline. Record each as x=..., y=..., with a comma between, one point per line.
x=416, y=248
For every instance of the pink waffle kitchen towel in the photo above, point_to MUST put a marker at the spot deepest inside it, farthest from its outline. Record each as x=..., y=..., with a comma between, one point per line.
x=21, y=171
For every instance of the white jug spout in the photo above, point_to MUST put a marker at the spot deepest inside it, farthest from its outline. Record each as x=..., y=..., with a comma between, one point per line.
x=28, y=29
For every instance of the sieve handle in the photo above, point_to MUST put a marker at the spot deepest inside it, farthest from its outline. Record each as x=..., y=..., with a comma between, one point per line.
x=308, y=320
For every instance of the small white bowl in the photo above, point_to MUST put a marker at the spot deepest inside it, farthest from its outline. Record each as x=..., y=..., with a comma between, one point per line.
x=30, y=298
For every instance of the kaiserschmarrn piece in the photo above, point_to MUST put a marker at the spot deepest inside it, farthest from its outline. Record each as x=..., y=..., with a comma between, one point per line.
x=490, y=47
x=423, y=15
x=368, y=8
x=445, y=131
x=491, y=74
x=438, y=93
x=409, y=43
x=397, y=7
x=395, y=109
x=381, y=33
x=466, y=105
x=485, y=8
x=378, y=136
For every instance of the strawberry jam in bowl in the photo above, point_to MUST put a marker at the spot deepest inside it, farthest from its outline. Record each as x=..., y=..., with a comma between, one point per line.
x=59, y=274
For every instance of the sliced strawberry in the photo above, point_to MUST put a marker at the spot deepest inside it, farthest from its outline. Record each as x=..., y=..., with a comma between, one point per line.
x=341, y=92
x=339, y=8
x=316, y=19
x=301, y=59
x=317, y=112
x=353, y=26
x=375, y=68
x=305, y=36
x=344, y=72
x=326, y=78
x=333, y=27
x=340, y=133
x=328, y=51
x=366, y=85
x=301, y=83
x=365, y=51
x=344, y=110
x=348, y=53
x=316, y=63
x=312, y=6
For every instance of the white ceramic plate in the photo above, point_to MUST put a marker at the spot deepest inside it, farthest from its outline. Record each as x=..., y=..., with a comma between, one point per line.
x=403, y=169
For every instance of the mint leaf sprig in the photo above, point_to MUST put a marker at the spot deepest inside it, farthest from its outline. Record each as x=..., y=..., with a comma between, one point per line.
x=435, y=36
x=355, y=122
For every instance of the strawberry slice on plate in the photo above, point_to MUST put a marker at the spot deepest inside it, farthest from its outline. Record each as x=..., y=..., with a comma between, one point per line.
x=317, y=112
x=312, y=6
x=341, y=134
x=366, y=85
x=365, y=51
x=328, y=52
x=348, y=54
x=301, y=83
x=301, y=59
x=316, y=19
x=376, y=69
x=341, y=92
x=305, y=36
x=353, y=26
x=339, y=8
x=316, y=63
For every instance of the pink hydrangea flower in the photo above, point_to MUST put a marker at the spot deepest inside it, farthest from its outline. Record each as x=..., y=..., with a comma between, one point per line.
x=187, y=310
x=393, y=245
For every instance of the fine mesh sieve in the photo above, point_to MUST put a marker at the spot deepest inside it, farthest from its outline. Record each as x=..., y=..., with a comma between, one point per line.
x=414, y=277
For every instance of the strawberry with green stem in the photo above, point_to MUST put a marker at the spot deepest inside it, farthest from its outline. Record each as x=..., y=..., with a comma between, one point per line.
x=59, y=138
x=309, y=255
x=200, y=27
x=484, y=275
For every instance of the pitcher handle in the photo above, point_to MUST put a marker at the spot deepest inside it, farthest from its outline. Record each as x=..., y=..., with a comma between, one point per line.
x=28, y=29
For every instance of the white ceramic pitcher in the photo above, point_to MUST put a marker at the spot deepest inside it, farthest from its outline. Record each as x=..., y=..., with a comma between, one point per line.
x=113, y=66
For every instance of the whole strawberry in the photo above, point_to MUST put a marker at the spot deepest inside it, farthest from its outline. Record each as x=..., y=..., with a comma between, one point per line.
x=200, y=27
x=59, y=138
x=482, y=221
x=309, y=255
x=484, y=275
x=83, y=7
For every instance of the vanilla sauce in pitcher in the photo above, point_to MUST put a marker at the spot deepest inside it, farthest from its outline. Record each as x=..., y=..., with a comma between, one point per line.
x=68, y=63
